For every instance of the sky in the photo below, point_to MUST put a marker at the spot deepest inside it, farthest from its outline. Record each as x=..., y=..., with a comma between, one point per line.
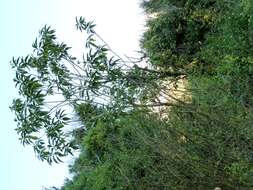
x=119, y=22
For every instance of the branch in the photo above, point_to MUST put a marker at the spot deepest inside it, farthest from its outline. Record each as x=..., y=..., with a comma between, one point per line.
x=162, y=74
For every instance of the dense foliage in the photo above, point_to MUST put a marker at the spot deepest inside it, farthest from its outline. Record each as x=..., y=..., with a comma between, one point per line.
x=130, y=137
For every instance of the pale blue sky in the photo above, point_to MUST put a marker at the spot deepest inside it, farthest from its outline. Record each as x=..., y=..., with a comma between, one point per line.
x=119, y=22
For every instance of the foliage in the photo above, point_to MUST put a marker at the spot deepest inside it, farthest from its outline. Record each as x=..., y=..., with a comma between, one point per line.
x=203, y=142
x=176, y=34
x=51, y=73
x=37, y=76
x=125, y=153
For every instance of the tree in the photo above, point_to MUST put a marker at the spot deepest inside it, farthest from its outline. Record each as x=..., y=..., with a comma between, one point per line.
x=97, y=79
x=203, y=142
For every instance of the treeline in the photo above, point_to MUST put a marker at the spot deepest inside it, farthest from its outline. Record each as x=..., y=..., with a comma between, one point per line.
x=133, y=138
